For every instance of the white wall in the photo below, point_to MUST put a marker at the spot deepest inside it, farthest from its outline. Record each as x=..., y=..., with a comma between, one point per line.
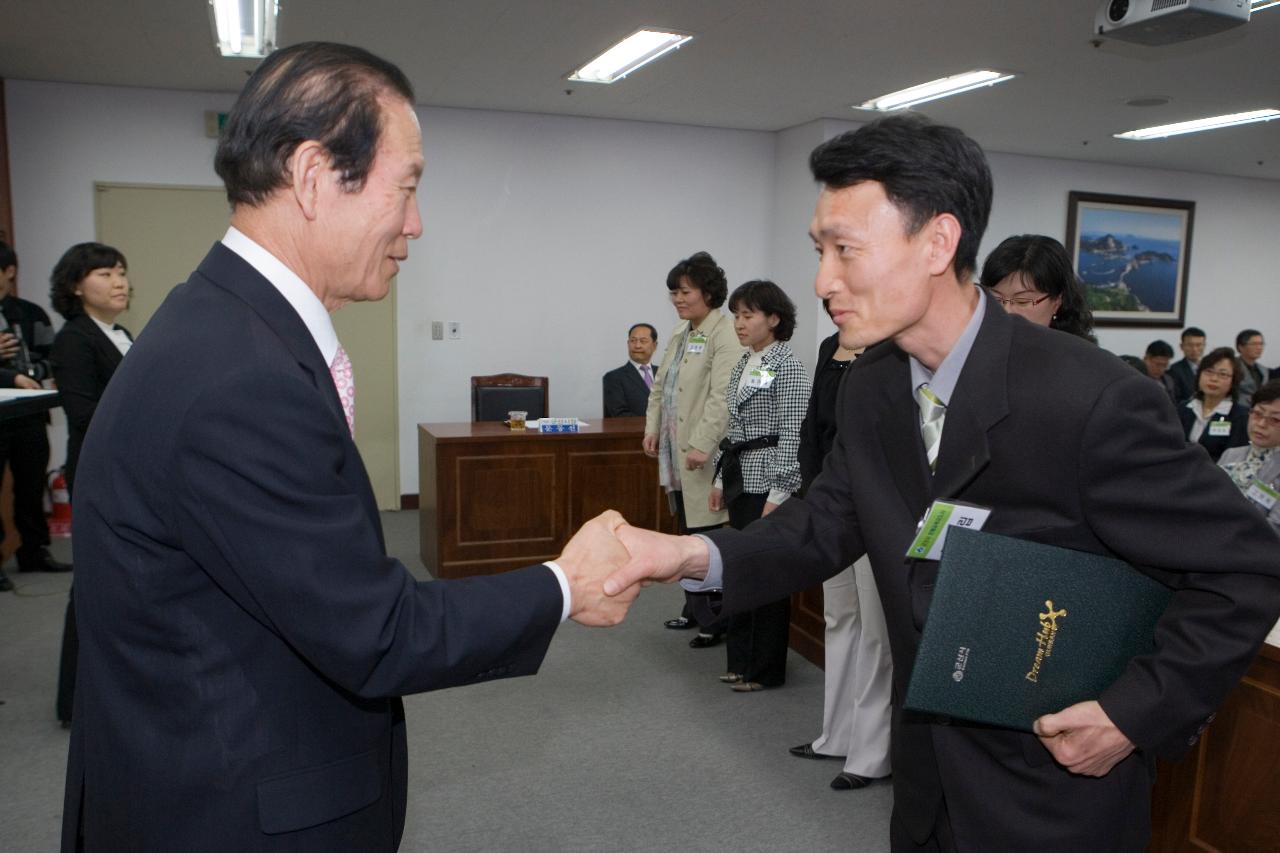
x=547, y=236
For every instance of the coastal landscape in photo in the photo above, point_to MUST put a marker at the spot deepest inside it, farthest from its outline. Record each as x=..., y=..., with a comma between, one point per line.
x=1129, y=259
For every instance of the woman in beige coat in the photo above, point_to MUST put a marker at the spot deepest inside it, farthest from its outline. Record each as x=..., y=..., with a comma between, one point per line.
x=687, y=414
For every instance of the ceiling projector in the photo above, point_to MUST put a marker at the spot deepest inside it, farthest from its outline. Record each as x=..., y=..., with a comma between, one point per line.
x=1161, y=22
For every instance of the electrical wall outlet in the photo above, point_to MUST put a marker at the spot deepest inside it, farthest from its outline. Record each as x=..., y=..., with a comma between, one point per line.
x=455, y=330
x=437, y=330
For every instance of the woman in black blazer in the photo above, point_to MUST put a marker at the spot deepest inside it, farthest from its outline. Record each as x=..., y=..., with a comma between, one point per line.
x=1212, y=417
x=89, y=287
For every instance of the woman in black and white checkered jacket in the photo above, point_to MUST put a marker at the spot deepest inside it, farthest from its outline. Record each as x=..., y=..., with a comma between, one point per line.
x=757, y=467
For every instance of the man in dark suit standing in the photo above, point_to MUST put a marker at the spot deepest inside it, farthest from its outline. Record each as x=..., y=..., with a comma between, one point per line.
x=966, y=402
x=626, y=388
x=1184, y=371
x=244, y=637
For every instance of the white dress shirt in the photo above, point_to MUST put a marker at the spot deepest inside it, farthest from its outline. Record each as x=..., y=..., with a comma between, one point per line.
x=115, y=333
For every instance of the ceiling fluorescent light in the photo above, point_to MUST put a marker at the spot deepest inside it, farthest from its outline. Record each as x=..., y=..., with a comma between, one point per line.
x=934, y=90
x=1259, y=5
x=1197, y=125
x=244, y=28
x=635, y=51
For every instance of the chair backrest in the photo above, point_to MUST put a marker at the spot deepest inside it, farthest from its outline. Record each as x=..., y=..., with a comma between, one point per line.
x=492, y=397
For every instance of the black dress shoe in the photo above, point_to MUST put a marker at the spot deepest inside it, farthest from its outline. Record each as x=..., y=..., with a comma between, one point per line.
x=704, y=641
x=42, y=561
x=849, y=782
x=6, y=585
x=805, y=750
x=678, y=624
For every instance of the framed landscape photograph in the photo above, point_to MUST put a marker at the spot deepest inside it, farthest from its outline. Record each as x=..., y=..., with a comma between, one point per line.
x=1133, y=255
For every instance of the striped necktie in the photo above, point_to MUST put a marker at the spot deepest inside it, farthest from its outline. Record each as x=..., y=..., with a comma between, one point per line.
x=932, y=412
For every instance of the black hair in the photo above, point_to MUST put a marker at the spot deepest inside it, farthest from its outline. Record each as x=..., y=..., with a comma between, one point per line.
x=1192, y=332
x=76, y=263
x=1267, y=392
x=767, y=298
x=703, y=273
x=1159, y=349
x=1244, y=336
x=652, y=331
x=8, y=257
x=1045, y=262
x=1136, y=363
x=1215, y=356
x=925, y=169
x=313, y=90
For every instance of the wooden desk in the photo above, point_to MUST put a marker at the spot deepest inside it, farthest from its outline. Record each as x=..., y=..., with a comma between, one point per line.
x=1225, y=796
x=491, y=499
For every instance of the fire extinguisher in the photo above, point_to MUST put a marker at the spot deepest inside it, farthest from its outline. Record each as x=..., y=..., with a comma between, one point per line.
x=60, y=505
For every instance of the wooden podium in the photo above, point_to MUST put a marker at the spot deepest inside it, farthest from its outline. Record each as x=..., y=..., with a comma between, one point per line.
x=491, y=499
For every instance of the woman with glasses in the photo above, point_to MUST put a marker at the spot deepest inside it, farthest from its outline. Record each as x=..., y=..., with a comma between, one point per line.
x=1255, y=467
x=1031, y=275
x=1212, y=417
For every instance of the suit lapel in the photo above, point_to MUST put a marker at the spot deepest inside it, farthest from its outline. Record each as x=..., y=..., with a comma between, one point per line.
x=106, y=347
x=979, y=402
x=233, y=273
x=898, y=426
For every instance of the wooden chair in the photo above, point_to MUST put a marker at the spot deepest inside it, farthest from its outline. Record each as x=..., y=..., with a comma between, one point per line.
x=492, y=397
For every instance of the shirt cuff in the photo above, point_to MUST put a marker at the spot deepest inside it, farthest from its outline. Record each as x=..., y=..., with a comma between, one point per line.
x=564, y=587
x=776, y=497
x=715, y=571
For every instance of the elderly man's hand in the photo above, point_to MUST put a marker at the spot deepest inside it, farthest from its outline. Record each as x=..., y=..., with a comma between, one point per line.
x=592, y=553
x=1083, y=739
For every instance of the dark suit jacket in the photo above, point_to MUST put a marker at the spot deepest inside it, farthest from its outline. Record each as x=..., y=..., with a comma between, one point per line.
x=243, y=635
x=1238, y=417
x=625, y=394
x=83, y=360
x=1184, y=380
x=1070, y=447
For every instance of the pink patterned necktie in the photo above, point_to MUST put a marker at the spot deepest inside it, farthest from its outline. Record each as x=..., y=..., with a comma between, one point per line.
x=648, y=377
x=345, y=381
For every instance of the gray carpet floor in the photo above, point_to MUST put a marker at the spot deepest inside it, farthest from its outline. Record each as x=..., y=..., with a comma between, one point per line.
x=625, y=741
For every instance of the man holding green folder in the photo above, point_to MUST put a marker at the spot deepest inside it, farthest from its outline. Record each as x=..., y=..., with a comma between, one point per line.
x=1061, y=441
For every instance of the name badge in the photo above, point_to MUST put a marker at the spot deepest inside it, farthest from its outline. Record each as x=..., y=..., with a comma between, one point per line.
x=697, y=344
x=941, y=516
x=1263, y=495
x=760, y=378
x=1219, y=429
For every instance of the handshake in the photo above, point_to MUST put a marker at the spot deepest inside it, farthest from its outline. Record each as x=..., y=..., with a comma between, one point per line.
x=607, y=561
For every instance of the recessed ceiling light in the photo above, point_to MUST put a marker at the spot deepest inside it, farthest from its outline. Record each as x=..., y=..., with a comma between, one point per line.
x=635, y=51
x=244, y=28
x=1197, y=125
x=935, y=89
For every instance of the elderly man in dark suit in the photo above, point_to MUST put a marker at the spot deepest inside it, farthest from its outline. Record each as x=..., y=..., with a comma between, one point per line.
x=966, y=402
x=626, y=388
x=244, y=636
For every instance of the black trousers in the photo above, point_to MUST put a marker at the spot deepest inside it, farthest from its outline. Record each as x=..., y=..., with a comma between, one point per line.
x=24, y=445
x=757, y=644
x=706, y=623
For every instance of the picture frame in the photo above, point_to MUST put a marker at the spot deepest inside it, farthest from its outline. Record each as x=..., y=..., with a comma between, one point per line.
x=1132, y=255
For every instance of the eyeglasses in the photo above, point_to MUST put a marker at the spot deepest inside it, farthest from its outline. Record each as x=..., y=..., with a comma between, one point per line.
x=1018, y=301
x=1272, y=421
x=1221, y=374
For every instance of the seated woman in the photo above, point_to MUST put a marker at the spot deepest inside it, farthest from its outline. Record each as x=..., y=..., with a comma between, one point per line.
x=1255, y=467
x=1031, y=275
x=757, y=467
x=1212, y=417
x=89, y=288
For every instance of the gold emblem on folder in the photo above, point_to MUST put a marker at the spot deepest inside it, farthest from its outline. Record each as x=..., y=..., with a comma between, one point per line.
x=1045, y=638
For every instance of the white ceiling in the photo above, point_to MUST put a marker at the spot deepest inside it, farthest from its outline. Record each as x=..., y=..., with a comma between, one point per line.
x=754, y=64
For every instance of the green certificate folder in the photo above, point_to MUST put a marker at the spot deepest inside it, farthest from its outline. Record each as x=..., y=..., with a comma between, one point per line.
x=1018, y=629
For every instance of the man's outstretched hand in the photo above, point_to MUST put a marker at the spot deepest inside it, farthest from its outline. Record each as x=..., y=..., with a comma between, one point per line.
x=656, y=557
x=592, y=553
